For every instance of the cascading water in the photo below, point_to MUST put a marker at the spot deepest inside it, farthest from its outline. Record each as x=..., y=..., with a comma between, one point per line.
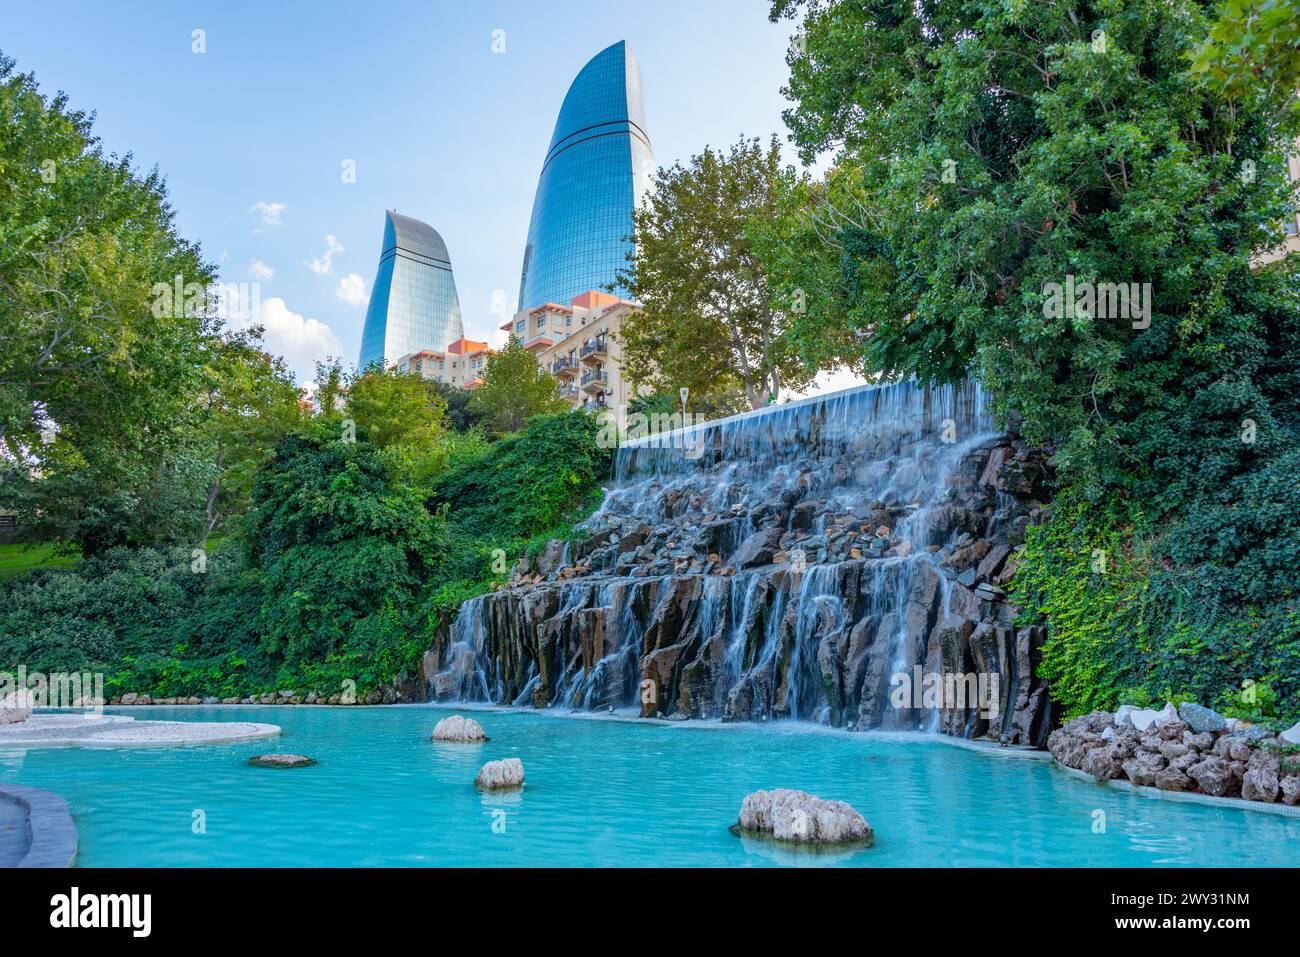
x=791, y=562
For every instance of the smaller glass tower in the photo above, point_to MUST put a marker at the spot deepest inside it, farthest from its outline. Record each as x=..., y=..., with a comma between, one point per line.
x=413, y=305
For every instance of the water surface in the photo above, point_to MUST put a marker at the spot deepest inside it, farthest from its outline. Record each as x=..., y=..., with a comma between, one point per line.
x=603, y=791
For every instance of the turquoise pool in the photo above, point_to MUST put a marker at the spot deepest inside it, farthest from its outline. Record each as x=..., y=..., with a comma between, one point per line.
x=603, y=791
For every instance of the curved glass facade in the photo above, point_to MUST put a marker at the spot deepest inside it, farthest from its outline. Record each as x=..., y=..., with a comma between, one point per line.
x=413, y=305
x=598, y=167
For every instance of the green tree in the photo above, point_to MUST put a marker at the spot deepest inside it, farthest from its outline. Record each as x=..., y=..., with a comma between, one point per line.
x=709, y=320
x=982, y=157
x=342, y=548
x=1252, y=52
x=459, y=416
x=251, y=403
x=998, y=151
x=515, y=388
x=397, y=409
x=99, y=370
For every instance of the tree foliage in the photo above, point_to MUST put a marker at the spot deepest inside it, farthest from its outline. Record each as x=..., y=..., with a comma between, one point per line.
x=983, y=155
x=96, y=385
x=515, y=388
x=709, y=321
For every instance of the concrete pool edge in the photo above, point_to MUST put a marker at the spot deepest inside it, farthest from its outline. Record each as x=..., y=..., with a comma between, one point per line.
x=52, y=833
x=115, y=731
x=1233, y=803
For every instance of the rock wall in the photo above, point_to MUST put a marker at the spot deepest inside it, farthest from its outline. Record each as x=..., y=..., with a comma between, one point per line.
x=806, y=561
x=1182, y=751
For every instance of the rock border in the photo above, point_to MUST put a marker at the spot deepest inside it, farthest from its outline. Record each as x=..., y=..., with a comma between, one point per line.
x=1186, y=797
x=1189, y=753
x=53, y=835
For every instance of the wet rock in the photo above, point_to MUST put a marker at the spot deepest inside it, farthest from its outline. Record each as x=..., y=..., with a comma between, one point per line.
x=504, y=775
x=757, y=549
x=459, y=730
x=281, y=761
x=801, y=818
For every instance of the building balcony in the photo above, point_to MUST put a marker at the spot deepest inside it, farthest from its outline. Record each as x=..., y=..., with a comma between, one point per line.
x=595, y=349
x=594, y=380
x=565, y=365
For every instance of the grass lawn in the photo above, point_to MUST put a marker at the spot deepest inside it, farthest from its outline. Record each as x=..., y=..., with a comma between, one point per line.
x=18, y=560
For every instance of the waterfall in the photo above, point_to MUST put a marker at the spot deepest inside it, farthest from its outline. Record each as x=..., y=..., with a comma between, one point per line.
x=784, y=563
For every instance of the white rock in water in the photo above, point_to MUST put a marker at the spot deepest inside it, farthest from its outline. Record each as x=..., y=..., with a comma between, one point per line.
x=798, y=816
x=1292, y=734
x=15, y=707
x=460, y=729
x=497, y=775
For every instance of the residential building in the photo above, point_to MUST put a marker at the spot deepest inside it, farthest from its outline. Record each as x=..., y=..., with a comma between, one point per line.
x=460, y=364
x=579, y=344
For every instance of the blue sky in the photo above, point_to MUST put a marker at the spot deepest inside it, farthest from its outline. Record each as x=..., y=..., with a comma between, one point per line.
x=252, y=134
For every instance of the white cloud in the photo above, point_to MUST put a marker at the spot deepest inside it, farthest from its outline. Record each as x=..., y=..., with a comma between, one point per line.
x=325, y=264
x=352, y=289
x=261, y=270
x=299, y=339
x=270, y=212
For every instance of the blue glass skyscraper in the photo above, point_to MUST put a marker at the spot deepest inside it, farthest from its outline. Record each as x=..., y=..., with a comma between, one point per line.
x=413, y=305
x=598, y=167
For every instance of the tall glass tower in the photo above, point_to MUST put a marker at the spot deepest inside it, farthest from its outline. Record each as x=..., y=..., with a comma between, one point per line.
x=413, y=305
x=598, y=167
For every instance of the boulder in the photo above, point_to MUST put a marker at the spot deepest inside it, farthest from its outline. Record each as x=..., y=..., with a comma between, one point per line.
x=1140, y=718
x=1105, y=763
x=1173, y=749
x=16, y=707
x=1291, y=789
x=801, y=818
x=757, y=549
x=1143, y=767
x=504, y=775
x=1200, y=718
x=458, y=729
x=1212, y=775
x=1172, y=779
x=1292, y=734
x=281, y=761
x=1260, y=782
